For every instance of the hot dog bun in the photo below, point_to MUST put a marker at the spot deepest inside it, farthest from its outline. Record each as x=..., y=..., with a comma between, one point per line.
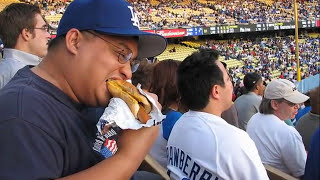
x=137, y=103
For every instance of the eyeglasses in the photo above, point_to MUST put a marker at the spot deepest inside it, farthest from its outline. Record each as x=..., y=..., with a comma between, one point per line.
x=124, y=55
x=291, y=104
x=44, y=28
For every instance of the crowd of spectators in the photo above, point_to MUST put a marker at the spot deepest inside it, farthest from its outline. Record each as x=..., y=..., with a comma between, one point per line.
x=186, y=13
x=173, y=14
x=264, y=55
x=50, y=8
x=268, y=55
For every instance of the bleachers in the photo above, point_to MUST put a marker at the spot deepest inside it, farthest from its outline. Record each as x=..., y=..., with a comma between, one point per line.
x=154, y=2
x=267, y=2
x=205, y=14
x=181, y=52
x=4, y=3
x=51, y=18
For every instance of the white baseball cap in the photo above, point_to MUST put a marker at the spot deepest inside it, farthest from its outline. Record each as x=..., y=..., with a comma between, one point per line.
x=282, y=88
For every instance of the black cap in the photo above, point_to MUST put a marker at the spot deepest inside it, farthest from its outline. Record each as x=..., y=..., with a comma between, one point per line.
x=250, y=80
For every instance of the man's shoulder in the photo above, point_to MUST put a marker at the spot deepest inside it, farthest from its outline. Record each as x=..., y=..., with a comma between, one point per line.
x=26, y=97
x=213, y=126
x=308, y=117
x=8, y=64
x=15, y=98
x=243, y=99
x=174, y=114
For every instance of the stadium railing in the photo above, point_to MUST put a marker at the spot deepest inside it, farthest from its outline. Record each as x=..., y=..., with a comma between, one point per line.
x=276, y=174
x=151, y=165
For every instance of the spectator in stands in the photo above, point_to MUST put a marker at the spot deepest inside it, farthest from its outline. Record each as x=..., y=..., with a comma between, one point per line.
x=143, y=75
x=304, y=109
x=25, y=36
x=163, y=84
x=279, y=145
x=42, y=126
x=310, y=122
x=312, y=171
x=205, y=145
x=248, y=104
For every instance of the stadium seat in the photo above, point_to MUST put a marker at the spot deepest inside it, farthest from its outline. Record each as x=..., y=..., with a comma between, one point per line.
x=151, y=165
x=276, y=174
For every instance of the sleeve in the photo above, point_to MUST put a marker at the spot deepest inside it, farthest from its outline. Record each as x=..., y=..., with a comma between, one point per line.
x=167, y=125
x=28, y=153
x=294, y=154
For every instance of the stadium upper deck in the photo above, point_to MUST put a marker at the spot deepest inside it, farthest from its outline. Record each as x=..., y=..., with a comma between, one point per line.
x=177, y=14
x=166, y=14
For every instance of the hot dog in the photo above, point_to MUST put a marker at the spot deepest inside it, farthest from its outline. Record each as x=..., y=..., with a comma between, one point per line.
x=137, y=103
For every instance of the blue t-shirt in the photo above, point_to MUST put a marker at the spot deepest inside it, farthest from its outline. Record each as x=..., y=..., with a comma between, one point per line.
x=168, y=123
x=43, y=133
x=302, y=112
x=312, y=170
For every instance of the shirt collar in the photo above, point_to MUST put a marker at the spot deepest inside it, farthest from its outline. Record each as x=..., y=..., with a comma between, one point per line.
x=208, y=116
x=23, y=57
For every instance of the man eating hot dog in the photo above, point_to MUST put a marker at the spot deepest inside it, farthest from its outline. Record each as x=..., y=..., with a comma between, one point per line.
x=44, y=134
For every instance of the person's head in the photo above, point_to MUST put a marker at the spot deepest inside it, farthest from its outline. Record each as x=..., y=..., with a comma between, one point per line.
x=98, y=40
x=22, y=27
x=202, y=79
x=315, y=100
x=163, y=83
x=143, y=74
x=253, y=83
x=282, y=99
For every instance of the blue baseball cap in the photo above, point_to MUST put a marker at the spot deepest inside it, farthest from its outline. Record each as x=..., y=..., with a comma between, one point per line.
x=111, y=17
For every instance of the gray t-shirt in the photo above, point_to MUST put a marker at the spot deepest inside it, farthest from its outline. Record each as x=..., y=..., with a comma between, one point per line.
x=306, y=126
x=247, y=105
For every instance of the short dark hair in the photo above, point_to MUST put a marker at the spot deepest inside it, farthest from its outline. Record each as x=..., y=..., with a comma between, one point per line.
x=197, y=74
x=163, y=83
x=251, y=80
x=13, y=19
x=56, y=41
x=265, y=105
x=315, y=100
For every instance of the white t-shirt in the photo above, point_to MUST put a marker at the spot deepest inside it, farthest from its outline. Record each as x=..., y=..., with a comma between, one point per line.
x=279, y=145
x=204, y=146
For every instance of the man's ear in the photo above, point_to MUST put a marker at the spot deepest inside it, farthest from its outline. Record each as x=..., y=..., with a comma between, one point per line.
x=26, y=35
x=215, y=92
x=72, y=40
x=274, y=105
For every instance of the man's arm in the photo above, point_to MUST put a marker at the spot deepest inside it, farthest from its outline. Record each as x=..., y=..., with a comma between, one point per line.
x=133, y=145
x=246, y=163
x=294, y=154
